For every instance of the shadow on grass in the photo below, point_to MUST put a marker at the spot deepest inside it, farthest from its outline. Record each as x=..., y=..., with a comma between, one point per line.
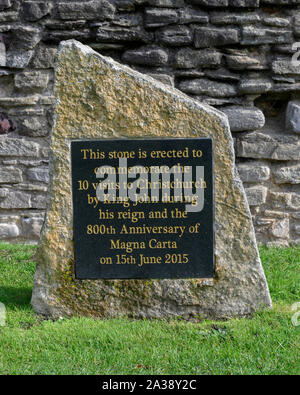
x=15, y=297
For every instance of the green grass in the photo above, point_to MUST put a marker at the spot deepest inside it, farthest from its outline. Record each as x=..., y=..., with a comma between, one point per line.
x=268, y=343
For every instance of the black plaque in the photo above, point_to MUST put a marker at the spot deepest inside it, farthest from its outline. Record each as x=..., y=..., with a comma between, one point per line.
x=149, y=238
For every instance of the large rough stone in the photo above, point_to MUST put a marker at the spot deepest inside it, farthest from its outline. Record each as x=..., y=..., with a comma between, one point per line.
x=109, y=100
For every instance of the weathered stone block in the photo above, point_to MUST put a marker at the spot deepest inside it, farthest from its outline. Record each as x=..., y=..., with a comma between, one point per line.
x=31, y=80
x=258, y=145
x=252, y=35
x=277, y=22
x=57, y=36
x=226, y=18
x=283, y=2
x=175, y=36
x=244, y=118
x=164, y=78
x=210, y=37
x=125, y=5
x=91, y=10
x=287, y=174
x=253, y=172
x=192, y=15
x=16, y=200
x=34, y=10
x=280, y=229
x=44, y=57
x=10, y=175
x=5, y=4
x=187, y=58
x=25, y=37
x=167, y=3
x=18, y=59
x=3, y=192
x=295, y=201
x=113, y=34
x=210, y=3
x=39, y=201
x=280, y=200
x=156, y=17
x=255, y=86
x=245, y=62
x=32, y=227
x=128, y=20
x=222, y=74
x=256, y=195
x=207, y=87
x=293, y=116
x=33, y=126
x=146, y=56
x=6, y=124
x=283, y=67
x=297, y=25
x=9, y=231
x=9, y=16
x=239, y=287
x=38, y=174
x=9, y=102
x=244, y=3
x=18, y=147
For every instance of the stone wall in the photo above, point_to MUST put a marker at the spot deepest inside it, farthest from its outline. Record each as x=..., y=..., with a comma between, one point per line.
x=232, y=54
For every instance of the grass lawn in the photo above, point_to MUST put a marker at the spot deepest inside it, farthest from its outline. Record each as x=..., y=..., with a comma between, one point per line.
x=266, y=344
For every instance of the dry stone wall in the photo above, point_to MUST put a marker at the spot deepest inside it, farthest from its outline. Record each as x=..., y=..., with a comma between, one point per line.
x=235, y=55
